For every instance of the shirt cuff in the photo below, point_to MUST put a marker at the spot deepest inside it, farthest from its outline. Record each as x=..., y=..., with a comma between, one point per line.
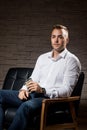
x=24, y=87
x=52, y=93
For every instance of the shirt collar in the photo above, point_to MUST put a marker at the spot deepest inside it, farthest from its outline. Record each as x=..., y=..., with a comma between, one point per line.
x=61, y=55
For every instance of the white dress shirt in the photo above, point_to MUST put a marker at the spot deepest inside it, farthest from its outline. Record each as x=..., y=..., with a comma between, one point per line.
x=58, y=76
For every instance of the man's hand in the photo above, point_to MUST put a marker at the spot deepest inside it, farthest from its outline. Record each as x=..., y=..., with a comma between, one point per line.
x=23, y=94
x=33, y=86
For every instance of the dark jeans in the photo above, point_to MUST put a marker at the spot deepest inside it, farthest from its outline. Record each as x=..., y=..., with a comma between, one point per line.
x=26, y=109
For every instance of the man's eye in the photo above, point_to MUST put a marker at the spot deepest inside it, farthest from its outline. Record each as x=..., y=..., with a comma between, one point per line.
x=61, y=37
x=52, y=36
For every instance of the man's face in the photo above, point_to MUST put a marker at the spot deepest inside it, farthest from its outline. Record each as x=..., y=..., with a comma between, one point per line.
x=59, y=39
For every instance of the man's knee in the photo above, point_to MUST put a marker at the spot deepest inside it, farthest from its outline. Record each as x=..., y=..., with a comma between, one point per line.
x=25, y=110
x=29, y=106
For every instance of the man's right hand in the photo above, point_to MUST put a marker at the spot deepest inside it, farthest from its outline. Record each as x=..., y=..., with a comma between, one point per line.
x=23, y=94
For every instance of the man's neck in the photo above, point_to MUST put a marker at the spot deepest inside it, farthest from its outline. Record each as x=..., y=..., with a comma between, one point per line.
x=55, y=54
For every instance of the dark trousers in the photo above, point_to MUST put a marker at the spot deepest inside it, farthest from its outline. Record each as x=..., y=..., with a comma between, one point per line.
x=26, y=109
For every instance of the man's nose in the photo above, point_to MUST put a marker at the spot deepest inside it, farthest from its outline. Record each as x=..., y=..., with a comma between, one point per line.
x=56, y=40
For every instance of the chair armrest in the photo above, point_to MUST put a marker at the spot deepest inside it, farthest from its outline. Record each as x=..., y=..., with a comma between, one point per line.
x=66, y=99
x=47, y=102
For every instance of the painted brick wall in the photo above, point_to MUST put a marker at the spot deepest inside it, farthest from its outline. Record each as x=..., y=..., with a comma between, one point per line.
x=25, y=27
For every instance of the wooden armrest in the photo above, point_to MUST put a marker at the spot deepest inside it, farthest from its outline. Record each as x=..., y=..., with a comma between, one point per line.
x=66, y=99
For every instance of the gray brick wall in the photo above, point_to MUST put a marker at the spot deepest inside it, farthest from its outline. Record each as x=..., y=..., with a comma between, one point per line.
x=25, y=27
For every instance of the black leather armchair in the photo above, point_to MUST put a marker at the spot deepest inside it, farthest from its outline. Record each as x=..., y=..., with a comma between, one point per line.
x=14, y=80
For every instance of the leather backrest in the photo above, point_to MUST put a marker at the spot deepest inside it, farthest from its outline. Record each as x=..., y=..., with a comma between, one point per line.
x=16, y=77
x=77, y=91
x=78, y=88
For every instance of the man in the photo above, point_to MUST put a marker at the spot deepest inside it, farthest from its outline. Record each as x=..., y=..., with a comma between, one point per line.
x=55, y=75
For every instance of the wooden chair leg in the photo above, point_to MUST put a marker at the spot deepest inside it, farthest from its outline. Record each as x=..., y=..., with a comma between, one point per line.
x=43, y=116
x=73, y=114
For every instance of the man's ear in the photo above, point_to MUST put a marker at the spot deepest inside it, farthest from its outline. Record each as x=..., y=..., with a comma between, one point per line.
x=67, y=40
